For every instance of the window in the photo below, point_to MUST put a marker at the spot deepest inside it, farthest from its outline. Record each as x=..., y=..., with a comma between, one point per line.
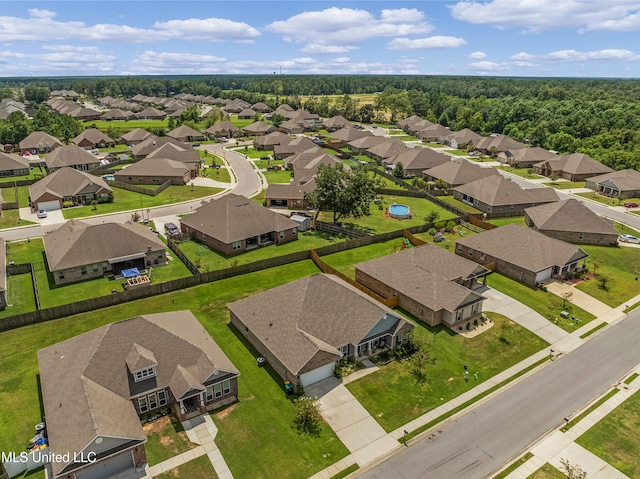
x=160, y=255
x=459, y=314
x=474, y=308
x=459, y=248
x=142, y=404
x=145, y=373
x=83, y=269
x=105, y=266
x=226, y=386
x=281, y=234
x=162, y=397
x=470, y=252
x=236, y=245
x=95, y=268
x=204, y=237
x=153, y=402
x=217, y=390
x=344, y=349
x=61, y=275
x=580, y=236
x=209, y=393
x=294, y=231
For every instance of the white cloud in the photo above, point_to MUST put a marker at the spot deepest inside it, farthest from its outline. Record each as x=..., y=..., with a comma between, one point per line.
x=477, y=55
x=38, y=13
x=425, y=43
x=58, y=62
x=520, y=63
x=346, y=26
x=70, y=48
x=540, y=15
x=210, y=29
x=522, y=56
x=487, y=67
x=151, y=62
x=317, y=49
x=568, y=56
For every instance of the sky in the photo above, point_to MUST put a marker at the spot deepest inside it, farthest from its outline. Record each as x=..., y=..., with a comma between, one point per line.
x=532, y=38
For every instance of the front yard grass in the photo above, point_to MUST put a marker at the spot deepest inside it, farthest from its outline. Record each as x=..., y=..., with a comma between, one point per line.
x=607, y=200
x=207, y=259
x=615, y=437
x=378, y=223
x=166, y=438
x=126, y=126
x=457, y=152
x=256, y=435
x=218, y=174
x=11, y=219
x=125, y=200
x=35, y=173
x=522, y=172
x=278, y=176
x=252, y=152
x=198, y=468
x=620, y=266
x=394, y=397
x=344, y=261
x=566, y=185
x=544, y=303
x=547, y=471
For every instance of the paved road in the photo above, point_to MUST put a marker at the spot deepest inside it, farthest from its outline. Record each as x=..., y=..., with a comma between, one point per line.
x=247, y=184
x=481, y=441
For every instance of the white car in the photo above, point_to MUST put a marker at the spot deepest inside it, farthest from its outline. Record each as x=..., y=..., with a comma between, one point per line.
x=42, y=214
x=629, y=239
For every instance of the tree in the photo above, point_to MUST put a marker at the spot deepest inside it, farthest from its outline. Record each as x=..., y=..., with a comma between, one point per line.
x=567, y=296
x=421, y=358
x=432, y=216
x=308, y=418
x=346, y=193
x=572, y=471
x=398, y=170
x=277, y=119
x=603, y=282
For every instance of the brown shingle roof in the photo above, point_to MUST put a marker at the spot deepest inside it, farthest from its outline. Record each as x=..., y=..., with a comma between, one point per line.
x=39, y=139
x=418, y=159
x=150, y=166
x=577, y=164
x=459, y=171
x=499, y=191
x=183, y=131
x=389, y=148
x=9, y=161
x=67, y=182
x=349, y=133
x=94, y=135
x=624, y=180
x=137, y=134
x=568, y=215
x=69, y=156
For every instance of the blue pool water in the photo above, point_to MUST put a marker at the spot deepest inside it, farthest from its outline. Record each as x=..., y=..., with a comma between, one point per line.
x=109, y=177
x=399, y=211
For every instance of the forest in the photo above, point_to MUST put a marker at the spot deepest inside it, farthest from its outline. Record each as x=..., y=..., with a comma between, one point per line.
x=600, y=117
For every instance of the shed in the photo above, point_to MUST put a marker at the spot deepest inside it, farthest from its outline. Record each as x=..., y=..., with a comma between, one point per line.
x=304, y=222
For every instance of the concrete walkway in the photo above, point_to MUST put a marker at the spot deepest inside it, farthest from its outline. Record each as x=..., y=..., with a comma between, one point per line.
x=583, y=300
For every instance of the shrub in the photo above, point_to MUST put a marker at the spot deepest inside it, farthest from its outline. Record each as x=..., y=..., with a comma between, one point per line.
x=67, y=204
x=344, y=367
x=308, y=418
x=439, y=225
x=450, y=225
x=432, y=231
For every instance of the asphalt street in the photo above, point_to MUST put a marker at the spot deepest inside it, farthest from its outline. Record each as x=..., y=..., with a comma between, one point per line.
x=478, y=443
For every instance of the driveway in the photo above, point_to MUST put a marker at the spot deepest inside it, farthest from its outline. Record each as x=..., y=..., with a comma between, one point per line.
x=53, y=217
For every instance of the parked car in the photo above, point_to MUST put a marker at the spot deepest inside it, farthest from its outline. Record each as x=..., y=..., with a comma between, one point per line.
x=171, y=229
x=42, y=214
x=631, y=204
x=629, y=239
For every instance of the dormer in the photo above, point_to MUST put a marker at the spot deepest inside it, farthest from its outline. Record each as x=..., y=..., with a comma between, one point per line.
x=141, y=363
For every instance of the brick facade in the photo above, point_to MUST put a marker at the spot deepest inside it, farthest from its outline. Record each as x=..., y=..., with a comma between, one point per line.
x=508, y=269
x=227, y=248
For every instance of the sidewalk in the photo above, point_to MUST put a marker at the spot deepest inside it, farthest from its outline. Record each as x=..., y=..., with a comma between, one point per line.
x=583, y=300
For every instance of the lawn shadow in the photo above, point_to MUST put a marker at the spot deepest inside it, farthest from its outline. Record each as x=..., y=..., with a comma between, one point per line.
x=40, y=400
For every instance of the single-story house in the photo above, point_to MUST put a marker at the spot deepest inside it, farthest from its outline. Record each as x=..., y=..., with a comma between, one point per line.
x=296, y=145
x=414, y=127
x=622, y=183
x=496, y=194
x=39, y=142
x=150, y=113
x=434, y=285
x=85, y=114
x=572, y=222
x=96, y=386
x=13, y=165
x=78, y=251
x=573, y=167
x=93, y=138
x=460, y=139
x=261, y=107
x=433, y=133
x=258, y=128
x=416, y=160
x=268, y=141
x=233, y=224
x=185, y=133
x=346, y=134
x=154, y=171
x=72, y=157
x=407, y=121
x=390, y=147
x=183, y=153
x=494, y=144
x=361, y=145
x=335, y=123
x=246, y=114
x=222, y=129
x=458, y=172
x=290, y=196
x=116, y=114
x=294, y=126
x=305, y=165
x=305, y=327
x=525, y=157
x=135, y=136
x=68, y=185
x=523, y=254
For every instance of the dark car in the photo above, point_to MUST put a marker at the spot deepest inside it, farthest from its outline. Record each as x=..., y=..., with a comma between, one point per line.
x=171, y=229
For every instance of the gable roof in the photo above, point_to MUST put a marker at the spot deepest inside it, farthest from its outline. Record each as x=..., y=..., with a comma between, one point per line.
x=389, y=148
x=220, y=126
x=116, y=114
x=258, y=127
x=69, y=156
x=348, y=133
x=624, y=180
x=336, y=121
x=234, y=218
x=273, y=138
x=576, y=164
x=153, y=143
x=178, y=152
x=458, y=172
x=306, y=164
x=531, y=154
x=151, y=112
x=433, y=131
x=499, y=142
x=39, y=139
x=464, y=136
x=77, y=243
x=569, y=215
x=498, y=191
x=293, y=191
x=154, y=167
x=86, y=387
x=317, y=313
x=67, y=182
x=524, y=247
x=367, y=142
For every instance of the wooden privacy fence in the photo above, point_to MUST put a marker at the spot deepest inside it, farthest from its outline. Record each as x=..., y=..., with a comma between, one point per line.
x=335, y=229
x=140, y=189
x=183, y=257
x=481, y=224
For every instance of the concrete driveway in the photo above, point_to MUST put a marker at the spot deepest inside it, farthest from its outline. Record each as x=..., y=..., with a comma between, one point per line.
x=53, y=217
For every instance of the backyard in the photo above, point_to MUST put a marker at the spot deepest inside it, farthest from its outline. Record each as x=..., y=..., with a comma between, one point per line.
x=394, y=396
x=461, y=205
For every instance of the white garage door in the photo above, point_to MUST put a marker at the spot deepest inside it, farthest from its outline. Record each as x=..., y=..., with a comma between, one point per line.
x=108, y=467
x=49, y=205
x=317, y=374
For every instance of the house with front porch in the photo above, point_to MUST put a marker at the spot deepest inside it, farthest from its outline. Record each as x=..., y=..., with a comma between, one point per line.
x=39, y=142
x=434, y=285
x=523, y=254
x=93, y=138
x=96, y=387
x=617, y=184
x=71, y=156
x=70, y=186
x=305, y=327
x=573, y=167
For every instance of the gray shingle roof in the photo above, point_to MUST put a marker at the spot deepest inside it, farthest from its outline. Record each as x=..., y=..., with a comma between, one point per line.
x=137, y=134
x=9, y=161
x=625, y=180
x=577, y=164
x=183, y=131
x=568, y=215
x=418, y=159
x=93, y=135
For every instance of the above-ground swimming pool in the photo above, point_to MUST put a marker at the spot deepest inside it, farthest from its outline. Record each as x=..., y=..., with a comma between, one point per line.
x=109, y=177
x=400, y=212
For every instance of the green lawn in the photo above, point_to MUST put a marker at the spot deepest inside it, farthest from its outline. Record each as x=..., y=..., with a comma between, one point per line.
x=262, y=164
x=252, y=152
x=392, y=185
x=376, y=222
x=515, y=465
x=241, y=123
x=507, y=221
x=607, y=200
x=545, y=303
x=208, y=260
x=278, y=176
x=11, y=219
x=125, y=200
x=394, y=397
x=449, y=238
x=457, y=152
x=35, y=173
x=461, y=205
x=218, y=174
x=165, y=439
x=51, y=295
x=125, y=126
x=246, y=429
x=566, y=185
x=523, y=172
x=615, y=437
x=198, y=468
x=20, y=296
x=547, y=471
x=621, y=266
x=344, y=261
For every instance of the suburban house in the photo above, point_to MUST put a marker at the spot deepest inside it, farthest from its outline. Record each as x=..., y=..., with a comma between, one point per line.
x=617, y=184
x=573, y=167
x=78, y=251
x=97, y=385
x=335, y=123
x=572, y=222
x=525, y=157
x=417, y=126
x=233, y=224
x=268, y=141
x=496, y=194
x=183, y=153
x=116, y=114
x=294, y=126
x=72, y=157
x=135, y=136
x=154, y=171
x=92, y=138
x=150, y=113
x=416, y=160
x=407, y=121
x=460, y=139
x=222, y=129
x=458, y=172
x=390, y=147
x=261, y=107
x=39, y=142
x=433, y=133
x=494, y=144
x=68, y=185
x=9, y=105
x=361, y=145
x=13, y=165
x=296, y=145
x=185, y=133
x=258, y=128
x=246, y=114
x=3, y=272
x=523, y=254
x=344, y=135
x=305, y=165
x=305, y=327
x=290, y=196
x=85, y=114
x=152, y=143
x=434, y=285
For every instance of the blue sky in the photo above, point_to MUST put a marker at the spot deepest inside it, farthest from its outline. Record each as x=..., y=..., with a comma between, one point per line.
x=567, y=38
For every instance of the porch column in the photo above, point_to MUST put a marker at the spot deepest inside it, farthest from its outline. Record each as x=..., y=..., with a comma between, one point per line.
x=183, y=410
x=202, y=399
